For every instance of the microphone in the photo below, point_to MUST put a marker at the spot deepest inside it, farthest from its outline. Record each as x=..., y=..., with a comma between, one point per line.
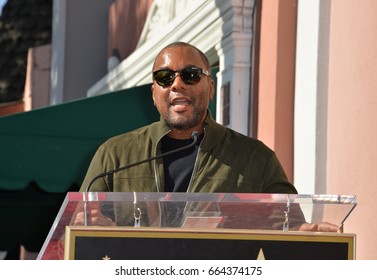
x=194, y=135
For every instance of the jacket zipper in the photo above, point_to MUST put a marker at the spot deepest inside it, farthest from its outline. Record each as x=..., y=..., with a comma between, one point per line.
x=156, y=176
x=195, y=164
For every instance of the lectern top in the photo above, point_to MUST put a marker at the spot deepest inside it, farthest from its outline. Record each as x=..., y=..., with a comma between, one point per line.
x=276, y=212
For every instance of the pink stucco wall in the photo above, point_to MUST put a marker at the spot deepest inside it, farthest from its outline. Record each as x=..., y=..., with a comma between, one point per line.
x=352, y=120
x=276, y=79
x=37, y=84
x=126, y=22
x=352, y=102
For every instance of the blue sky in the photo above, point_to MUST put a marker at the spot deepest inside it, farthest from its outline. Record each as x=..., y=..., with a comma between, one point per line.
x=2, y=2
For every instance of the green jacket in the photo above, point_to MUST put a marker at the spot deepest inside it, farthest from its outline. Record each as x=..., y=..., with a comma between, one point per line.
x=227, y=161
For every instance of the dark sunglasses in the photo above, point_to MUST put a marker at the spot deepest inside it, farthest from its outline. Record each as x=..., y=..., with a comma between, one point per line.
x=190, y=76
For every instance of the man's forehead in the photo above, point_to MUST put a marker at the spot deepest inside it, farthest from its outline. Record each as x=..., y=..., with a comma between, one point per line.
x=178, y=56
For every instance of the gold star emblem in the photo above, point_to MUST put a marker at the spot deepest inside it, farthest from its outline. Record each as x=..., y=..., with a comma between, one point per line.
x=260, y=255
x=106, y=258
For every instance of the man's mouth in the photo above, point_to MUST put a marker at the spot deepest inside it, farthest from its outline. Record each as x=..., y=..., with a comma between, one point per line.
x=180, y=104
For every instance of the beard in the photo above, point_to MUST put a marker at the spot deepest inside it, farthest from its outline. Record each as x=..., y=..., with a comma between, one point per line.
x=183, y=122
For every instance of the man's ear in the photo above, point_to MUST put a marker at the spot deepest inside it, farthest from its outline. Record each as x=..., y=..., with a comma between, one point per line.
x=152, y=89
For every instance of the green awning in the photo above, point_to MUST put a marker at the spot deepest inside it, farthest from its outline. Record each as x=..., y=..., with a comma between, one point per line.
x=53, y=146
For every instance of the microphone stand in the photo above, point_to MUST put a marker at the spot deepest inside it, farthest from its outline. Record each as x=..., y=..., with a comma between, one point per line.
x=194, y=136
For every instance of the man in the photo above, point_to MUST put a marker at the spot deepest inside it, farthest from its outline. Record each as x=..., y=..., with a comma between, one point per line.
x=222, y=160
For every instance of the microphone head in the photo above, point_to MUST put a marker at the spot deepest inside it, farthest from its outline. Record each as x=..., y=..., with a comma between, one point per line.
x=195, y=135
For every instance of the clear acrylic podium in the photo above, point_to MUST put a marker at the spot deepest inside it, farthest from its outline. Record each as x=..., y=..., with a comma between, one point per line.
x=199, y=226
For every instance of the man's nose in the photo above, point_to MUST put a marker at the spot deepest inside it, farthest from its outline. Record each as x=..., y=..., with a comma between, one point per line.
x=178, y=82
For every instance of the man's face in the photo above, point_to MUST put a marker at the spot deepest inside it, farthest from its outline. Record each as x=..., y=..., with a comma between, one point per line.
x=183, y=106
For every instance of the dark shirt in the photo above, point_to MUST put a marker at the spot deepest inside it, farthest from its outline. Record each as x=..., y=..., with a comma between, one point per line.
x=178, y=167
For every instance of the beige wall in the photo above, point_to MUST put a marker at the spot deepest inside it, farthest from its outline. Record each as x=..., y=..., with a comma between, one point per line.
x=352, y=119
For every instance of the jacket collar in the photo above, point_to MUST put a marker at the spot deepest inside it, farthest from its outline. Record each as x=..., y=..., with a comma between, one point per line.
x=213, y=132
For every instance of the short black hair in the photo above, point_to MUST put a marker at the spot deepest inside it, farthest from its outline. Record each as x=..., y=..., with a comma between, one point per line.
x=186, y=45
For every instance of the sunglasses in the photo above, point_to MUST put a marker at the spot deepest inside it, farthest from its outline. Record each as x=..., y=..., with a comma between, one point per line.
x=190, y=76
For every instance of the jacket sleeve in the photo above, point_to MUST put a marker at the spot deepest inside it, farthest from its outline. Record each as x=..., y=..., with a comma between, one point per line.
x=275, y=180
x=91, y=182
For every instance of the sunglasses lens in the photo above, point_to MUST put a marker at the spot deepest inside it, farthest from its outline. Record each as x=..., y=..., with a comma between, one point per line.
x=164, y=77
x=191, y=75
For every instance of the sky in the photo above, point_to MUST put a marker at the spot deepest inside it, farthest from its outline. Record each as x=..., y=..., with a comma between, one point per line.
x=2, y=3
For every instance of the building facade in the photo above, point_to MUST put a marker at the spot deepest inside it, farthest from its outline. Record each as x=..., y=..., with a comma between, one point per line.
x=298, y=75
